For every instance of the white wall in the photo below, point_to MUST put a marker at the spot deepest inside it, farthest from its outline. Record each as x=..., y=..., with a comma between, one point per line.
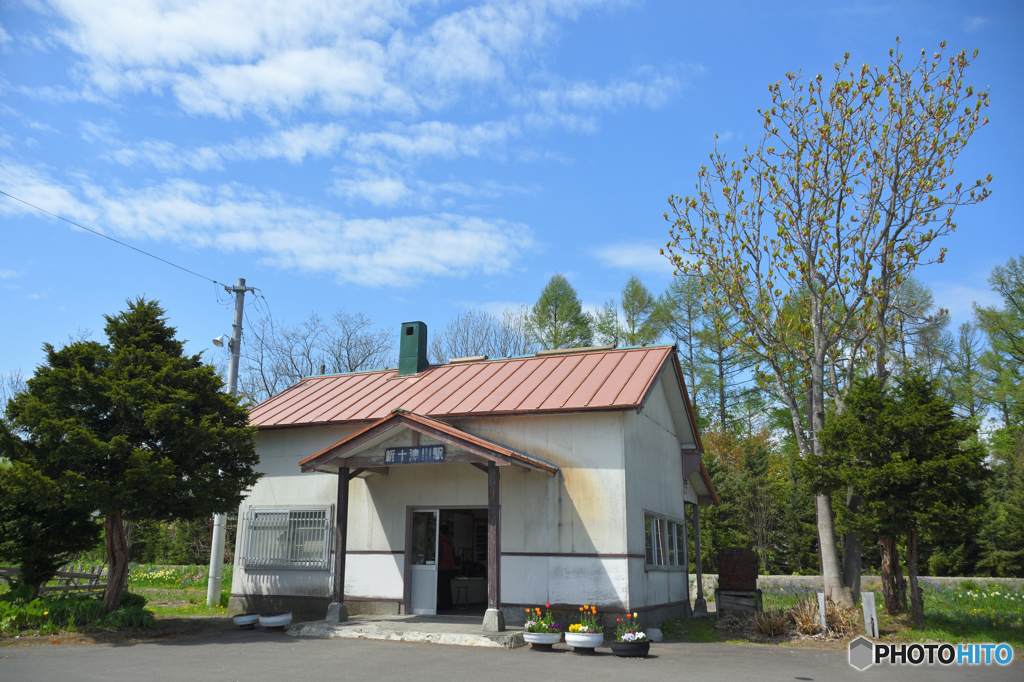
x=654, y=483
x=580, y=510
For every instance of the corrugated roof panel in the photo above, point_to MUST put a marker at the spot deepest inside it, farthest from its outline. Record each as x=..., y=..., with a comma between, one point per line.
x=574, y=381
x=493, y=383
x=595, y=380
x=448, y=404
x=618, y=378
x=636, y=388
x=496, y=396
x=459, y=381
x=350, y=393
x=513, y=401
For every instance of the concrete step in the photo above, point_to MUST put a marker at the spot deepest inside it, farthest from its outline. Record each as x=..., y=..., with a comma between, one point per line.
x=420, y=633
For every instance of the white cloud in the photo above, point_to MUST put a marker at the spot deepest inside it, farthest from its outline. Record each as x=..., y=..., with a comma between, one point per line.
x=5, y=37
x=633, y=256
x=972, y=24
x=292, y=144
x=230, y=57
x=232, y=217
x=390, y=189
x=432, y=139
x=8, y=274
x=959, y=299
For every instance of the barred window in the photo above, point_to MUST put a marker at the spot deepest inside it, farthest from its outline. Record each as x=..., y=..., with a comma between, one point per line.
x=288, y=538
x=663, y=538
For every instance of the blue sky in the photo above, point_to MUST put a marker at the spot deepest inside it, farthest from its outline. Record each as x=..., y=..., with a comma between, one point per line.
x=411, y=159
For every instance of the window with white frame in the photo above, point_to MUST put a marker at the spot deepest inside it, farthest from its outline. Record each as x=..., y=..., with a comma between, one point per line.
x=663, y=537
x=298, y=538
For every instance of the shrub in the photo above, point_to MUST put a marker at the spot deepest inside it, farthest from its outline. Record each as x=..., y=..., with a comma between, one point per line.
x=771, y=622
x=805, y=617
x=841, y=622
x=129, y=617
x=131, y=599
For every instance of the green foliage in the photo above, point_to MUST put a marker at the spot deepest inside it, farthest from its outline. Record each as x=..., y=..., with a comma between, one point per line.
x=904, y=450
x=557, y=319
x=42, y=521
x=138, y=428
x=54, y=613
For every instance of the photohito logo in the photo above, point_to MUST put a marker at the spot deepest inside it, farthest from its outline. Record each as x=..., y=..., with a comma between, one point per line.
x=864, y=653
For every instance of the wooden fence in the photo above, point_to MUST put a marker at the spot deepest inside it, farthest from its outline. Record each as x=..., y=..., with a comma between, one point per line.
x=78, y=578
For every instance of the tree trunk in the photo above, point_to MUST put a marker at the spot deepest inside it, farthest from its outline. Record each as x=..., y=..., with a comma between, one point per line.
x=892, y=577
x=916, y=599
x=831, y=572
x=117, y=559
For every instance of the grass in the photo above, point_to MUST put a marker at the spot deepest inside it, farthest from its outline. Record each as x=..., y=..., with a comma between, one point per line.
x=178, y=590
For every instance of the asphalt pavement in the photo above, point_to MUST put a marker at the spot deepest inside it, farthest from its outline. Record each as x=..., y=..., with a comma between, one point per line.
x=255, y=656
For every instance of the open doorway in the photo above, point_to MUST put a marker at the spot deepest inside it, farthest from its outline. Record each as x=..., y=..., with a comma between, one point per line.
x=448, y=561
x=462, y=588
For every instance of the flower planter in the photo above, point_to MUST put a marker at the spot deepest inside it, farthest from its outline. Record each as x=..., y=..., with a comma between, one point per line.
x=542, y=641
x=276, y=620
x=584, y=642
x=246, y=621
x=631, y=649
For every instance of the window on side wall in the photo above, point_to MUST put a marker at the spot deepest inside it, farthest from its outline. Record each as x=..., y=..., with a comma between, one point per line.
x=289, y=538
x=663, y=537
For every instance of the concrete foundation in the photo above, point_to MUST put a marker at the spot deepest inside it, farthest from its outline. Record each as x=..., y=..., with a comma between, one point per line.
x=336, y=613
x=307, y=608
x=494, y=620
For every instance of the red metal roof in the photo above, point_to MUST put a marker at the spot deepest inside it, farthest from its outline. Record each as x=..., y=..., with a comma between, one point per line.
x=615, y=379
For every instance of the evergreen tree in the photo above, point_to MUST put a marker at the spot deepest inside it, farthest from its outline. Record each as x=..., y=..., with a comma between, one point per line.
x=916, y=464
x=43, y=522
x=557, y=319
x=140, y=429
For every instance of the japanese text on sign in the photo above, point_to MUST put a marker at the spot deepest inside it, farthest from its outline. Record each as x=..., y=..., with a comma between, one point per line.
x=414, y=455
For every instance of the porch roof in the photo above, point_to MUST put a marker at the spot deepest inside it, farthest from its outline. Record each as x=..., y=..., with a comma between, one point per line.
x=337, y=455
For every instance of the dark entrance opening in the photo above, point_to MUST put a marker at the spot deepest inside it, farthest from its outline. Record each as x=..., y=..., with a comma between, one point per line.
x=462, y=562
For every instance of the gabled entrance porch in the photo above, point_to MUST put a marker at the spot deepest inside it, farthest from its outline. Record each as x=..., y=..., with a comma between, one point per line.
x=364, y=454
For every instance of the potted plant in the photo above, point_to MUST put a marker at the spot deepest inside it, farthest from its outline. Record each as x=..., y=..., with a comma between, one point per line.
x=630, y=640
x=586, y=634
x=541, y=629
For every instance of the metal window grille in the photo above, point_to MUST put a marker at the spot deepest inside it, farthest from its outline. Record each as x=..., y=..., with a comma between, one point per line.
x=663, y=541
x=288, y=538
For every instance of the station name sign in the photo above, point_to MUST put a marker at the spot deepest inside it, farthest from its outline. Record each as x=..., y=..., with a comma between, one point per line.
x=422, y=454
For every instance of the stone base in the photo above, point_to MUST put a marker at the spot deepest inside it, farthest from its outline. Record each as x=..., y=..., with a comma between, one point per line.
x=700, y=607
x=494, y=621
x=336, y=613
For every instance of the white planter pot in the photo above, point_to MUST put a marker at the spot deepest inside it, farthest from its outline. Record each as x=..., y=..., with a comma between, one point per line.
x=584, y=640
x=246, y=620
x=275, y=620
x=542, y=638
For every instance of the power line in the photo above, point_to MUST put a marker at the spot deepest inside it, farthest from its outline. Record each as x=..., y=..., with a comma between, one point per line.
x=100, y=234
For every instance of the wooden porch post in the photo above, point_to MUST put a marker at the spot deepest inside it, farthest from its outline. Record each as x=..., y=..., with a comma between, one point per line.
x=337, y=612
x=494, y=620
x=700, y=605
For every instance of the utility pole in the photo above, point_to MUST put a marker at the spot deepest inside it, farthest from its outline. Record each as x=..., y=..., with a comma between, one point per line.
x=216, y=575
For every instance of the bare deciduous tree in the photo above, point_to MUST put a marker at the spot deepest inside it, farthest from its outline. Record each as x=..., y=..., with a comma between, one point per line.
x=274, y=355
x=476, y=332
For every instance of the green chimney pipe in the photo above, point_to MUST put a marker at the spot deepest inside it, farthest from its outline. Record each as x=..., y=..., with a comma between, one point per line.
x=412, y=349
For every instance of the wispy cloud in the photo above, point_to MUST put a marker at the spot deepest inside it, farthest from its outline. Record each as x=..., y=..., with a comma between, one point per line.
x=286, y=234
x=972, y=24
x=8, y=274
x=292, y=144
x=633, y=256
